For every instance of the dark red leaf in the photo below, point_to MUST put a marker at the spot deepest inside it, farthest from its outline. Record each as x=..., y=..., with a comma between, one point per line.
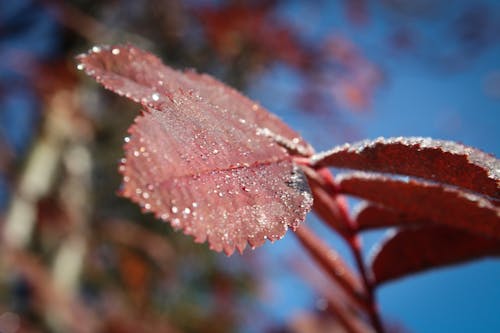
x=414, y=250
x=441, y=161
x=372, y=216
x=440, y=204
x=202, y=156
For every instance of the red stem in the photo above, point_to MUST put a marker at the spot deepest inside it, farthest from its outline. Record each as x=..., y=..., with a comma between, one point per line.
x=333, y=265
x=355, y=246
x=354, y=242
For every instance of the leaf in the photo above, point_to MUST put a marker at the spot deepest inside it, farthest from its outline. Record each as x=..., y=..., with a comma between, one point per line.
x=201, y=155
x=373, y=216
x=440, y=204
x=142, y=77
x=442, y=161
x=413, y=250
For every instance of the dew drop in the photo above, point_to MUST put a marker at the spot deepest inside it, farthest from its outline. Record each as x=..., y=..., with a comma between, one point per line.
x=136, y=153
x=126, y=139
x=115, y=51
x=194, y=204
x=221, y=194
x=155, y=97
x=147, y=206
x=96, y=49
x=145, y=195
x=174, y=209
x=80, y=67
x=186, y=211
x=215, y=151
x=176, y=222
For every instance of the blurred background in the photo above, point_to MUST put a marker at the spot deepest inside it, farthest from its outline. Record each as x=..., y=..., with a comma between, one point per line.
x=74, y=257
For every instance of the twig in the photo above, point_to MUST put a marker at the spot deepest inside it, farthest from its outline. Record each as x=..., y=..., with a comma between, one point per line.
x=332, y=264
x=354, y=242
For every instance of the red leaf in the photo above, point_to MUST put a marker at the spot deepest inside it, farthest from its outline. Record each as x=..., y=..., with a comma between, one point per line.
x=441, y=161
x=203, y=156
x=440, y=204
x=372, y=216
x=142, y=77
x=414, y=250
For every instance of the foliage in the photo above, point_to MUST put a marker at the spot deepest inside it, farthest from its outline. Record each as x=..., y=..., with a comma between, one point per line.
x=213, y=163
x=74, y=252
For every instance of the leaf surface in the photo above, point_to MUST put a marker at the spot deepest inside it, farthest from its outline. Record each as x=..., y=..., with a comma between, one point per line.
x=413, y=250
x=440, y=204
x=441, y=161
x=201, y=155
x=373, y=216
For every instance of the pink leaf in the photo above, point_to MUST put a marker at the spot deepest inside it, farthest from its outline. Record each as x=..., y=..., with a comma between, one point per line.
x=201, y=155
x=441, y=161
x=414, y=250
x=440, y=204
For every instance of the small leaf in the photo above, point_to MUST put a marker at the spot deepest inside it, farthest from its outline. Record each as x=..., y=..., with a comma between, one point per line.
x=440, y=204
x=413, y=250
x=373, y=216
x=201, y=155
x=437, y=160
